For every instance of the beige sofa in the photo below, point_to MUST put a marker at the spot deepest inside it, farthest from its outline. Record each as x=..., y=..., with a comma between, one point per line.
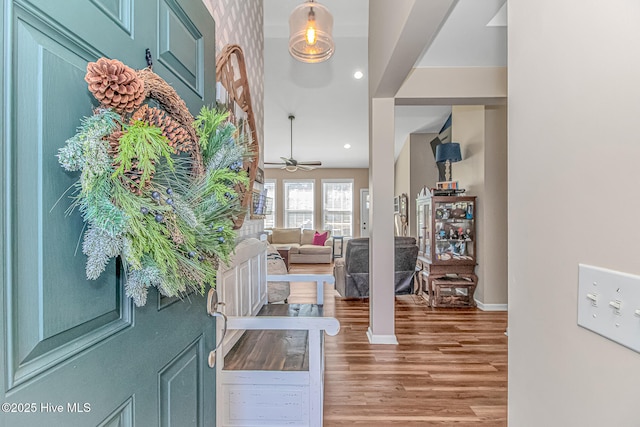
x=301, y=247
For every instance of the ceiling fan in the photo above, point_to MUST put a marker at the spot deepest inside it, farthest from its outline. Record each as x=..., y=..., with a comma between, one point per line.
x=291, y=164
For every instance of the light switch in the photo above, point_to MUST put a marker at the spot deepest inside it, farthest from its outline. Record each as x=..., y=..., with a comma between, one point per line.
x=608, y=303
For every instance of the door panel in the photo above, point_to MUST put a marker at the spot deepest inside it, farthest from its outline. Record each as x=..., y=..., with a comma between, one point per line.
x=54, y=303
x=119, y=11
x=180, y=46
x=177, y=381
x=185, y=51
x=122, y=416
x=70, y=341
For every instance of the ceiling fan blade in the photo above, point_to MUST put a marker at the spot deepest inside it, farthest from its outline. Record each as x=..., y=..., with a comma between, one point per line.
x=313, y=163
x=274, y=163
x=284, y=159
x=305, y=168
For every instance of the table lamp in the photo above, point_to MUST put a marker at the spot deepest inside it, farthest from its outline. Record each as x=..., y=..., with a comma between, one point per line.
x=447, y=154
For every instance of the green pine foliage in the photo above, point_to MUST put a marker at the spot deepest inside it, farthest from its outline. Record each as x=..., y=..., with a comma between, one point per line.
x=219, y=184
x=144, y=144
x=88, y=151
x=223, y=136
x=99, y=247
x=151, y=238
x=185, y=211
x=207, y=124
x=98, y=209
x=75, y=154
x=218, y=239
x=227, y=154
x=97, y=163
x=139, y=281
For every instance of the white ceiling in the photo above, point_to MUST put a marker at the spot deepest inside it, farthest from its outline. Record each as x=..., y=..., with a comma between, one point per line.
x=331, y=107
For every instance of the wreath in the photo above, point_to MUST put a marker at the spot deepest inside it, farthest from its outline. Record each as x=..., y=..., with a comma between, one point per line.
x=157, y=186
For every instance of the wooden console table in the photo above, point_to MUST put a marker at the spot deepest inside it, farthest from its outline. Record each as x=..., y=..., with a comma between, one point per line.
x=284, y=253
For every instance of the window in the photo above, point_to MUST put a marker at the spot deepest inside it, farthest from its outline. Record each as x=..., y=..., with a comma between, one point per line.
x=337, y=207
x=298, y=203
x=270, y=214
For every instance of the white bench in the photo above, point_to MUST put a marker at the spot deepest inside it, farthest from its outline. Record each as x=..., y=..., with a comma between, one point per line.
x=270, y=366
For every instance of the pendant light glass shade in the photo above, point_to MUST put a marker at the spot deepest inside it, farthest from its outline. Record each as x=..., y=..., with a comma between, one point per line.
x=310, y=33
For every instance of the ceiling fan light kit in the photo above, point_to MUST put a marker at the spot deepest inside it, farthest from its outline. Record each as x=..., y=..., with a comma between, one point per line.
x=311, y=32
x=290, y=164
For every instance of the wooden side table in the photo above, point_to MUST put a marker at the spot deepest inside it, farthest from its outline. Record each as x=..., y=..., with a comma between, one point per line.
x=445, y=275
x=450, y=292
x=284, y=253
x=335, y=253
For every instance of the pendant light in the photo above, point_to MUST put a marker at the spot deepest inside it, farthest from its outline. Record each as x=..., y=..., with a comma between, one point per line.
x=310, y=32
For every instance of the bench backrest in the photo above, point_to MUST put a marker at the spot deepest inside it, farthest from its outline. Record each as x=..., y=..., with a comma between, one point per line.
x=242, y=287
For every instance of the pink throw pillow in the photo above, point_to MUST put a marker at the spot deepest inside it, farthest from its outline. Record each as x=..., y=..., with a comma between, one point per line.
x=319, y=239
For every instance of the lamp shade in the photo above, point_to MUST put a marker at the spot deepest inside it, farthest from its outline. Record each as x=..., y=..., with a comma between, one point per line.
x=449, y=151
x=310, y=32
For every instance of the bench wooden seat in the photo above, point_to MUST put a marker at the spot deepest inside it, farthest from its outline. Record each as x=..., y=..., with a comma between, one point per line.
x=274, y=350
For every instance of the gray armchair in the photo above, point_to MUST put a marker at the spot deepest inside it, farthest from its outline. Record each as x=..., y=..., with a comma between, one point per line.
x=352, y=271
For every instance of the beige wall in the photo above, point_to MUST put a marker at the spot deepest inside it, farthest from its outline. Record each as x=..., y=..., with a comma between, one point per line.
x=360, y=180
x=468, y=129
x=494, y=205
x=402, y=181
x=574, y=104
x=415, y=168
x=424, y=171
x=482, y=134
x=437, y=83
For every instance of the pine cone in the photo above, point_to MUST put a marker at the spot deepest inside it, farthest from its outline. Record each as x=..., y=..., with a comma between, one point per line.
x=177, y=135
x=132, y=178
x=115, y=85
x=114, y=142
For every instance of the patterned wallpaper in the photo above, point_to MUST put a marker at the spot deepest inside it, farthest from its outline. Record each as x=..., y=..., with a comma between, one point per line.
x=241, y=22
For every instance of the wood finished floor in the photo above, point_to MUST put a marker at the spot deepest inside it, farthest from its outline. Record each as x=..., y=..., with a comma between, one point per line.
x=450, y=368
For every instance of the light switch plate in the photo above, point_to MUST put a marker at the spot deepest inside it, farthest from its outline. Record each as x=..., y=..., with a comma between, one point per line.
x=609, y=304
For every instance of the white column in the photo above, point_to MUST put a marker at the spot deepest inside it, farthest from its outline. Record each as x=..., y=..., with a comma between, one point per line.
x=381, y=242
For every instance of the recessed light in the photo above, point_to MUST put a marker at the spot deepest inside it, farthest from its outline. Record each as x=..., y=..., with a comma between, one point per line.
x=347, y=146
x=358, y=75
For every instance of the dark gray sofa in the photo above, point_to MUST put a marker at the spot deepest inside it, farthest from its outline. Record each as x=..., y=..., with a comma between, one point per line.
x=352, y=271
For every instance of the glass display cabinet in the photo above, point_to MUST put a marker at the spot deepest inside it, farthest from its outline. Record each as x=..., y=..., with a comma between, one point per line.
x=447, y=248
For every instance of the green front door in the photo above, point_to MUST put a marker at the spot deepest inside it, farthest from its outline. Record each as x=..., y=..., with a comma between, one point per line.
x=76, y=352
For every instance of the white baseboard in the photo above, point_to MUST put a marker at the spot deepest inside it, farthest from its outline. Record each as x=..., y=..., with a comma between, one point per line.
x=381, y=339
x=491, y=307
